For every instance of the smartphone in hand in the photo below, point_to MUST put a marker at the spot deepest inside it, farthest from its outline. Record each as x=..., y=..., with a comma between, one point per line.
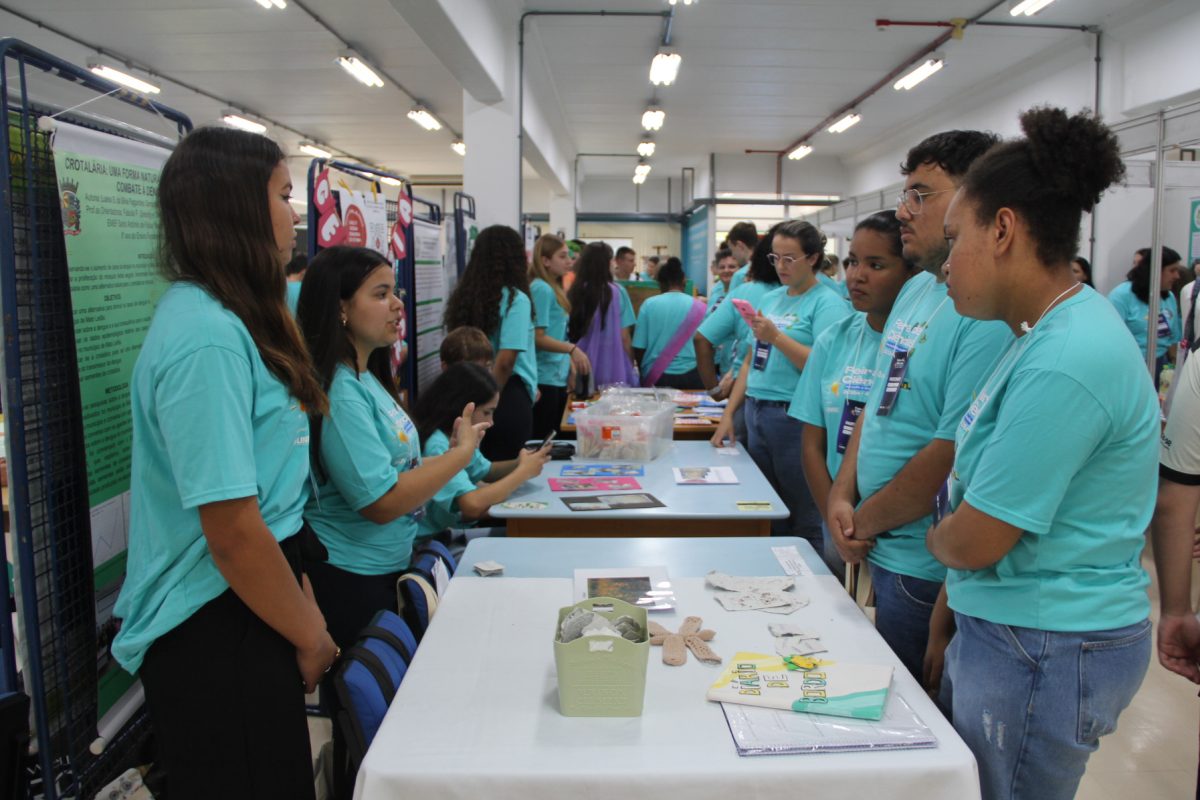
x=744, y=308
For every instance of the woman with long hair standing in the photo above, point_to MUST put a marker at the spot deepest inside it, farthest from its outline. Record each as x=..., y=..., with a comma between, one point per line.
x=493, y=295
x=601, y=319
x=557, y=358
x=217, y=619
x=1131, y=298
x=1054, y=474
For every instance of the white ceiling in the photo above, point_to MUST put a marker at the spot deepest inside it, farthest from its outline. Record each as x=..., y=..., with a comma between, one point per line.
x=756, y=73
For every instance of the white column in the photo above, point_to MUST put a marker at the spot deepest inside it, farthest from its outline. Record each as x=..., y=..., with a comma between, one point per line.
x=491, y=167
x=562, y=214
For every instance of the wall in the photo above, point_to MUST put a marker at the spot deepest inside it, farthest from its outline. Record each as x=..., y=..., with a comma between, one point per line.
x=645, y=236
x=601, y=194
x=755, y=173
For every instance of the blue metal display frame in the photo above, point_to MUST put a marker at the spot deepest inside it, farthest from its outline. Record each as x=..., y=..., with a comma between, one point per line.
x=464, y=209
x=67, y=767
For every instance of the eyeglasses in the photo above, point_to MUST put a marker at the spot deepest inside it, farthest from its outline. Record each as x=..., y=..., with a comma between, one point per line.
x=913, y=200
x=775, y=260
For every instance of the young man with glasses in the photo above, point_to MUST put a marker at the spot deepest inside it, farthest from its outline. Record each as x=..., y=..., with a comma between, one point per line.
x=895, y=467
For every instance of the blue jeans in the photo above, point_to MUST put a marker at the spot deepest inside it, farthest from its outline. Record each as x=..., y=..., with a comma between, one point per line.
x=1033, y=704
x=902, y=608
x=773, y=441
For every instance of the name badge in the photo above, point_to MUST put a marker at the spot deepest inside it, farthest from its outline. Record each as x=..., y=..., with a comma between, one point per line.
x=762, y=351
x=1164, y=326
x=941, y=502
x=895, y=379
x=851, y=411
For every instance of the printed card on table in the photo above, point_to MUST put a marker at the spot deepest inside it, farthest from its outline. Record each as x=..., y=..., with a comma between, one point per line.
x=836, y=688
x=703, y=475
x=598, y=484
x=602, y=470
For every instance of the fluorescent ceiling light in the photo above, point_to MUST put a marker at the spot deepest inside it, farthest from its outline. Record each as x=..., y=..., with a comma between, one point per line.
x=664, y=68
x=646, y=147
x=653, y=118
x=272, y=3
x=310, y=148
x=846, y=122
x=390, y=181
x=359, y=69
x=800, y=152
x=421, y=116
x=126, y=80
x=1029, y=7
x=931, y=65
x=685, y=2
x=233, y=120
x=459, y=146
x=639, y=179
x=642, y=168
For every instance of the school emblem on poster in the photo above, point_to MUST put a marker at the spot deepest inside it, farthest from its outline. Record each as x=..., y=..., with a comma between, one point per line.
x=69, y=195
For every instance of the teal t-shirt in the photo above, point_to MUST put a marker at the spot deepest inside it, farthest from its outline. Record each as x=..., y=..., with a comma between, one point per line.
x=293, y=295
x=661, y=317
x=802, y=318
x=1135, y=314
x=1061, y=441
x=552, y=368
x=366, y=442
x=210, y=423
x=442, y=511
x=843, y=367
x=840, y=287
x=725, y=327
x=739, y=277
x=948, y=354
x=722, y=353
x=516, y=333
x=715, y=296
x=628, y=318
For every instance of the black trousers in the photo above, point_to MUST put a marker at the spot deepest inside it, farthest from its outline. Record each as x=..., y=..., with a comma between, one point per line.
x=548, y=410
x=227, y=704
x=689, y=380
x=512, y=424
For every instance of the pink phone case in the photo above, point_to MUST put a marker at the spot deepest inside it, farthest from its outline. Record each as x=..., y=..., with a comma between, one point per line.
x=744, y=308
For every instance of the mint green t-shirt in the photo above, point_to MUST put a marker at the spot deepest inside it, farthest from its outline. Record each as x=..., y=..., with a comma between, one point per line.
x=802, y=318
x=293, y=295
x=552, y=368
x=839, y=287
x=722, y=353
x=366, y=442
x=661, y=317
x=442, y=511
x=210, y=423
x=948, y=355
x=1061, y=441
x=516, y=333
x=628, y=318
x=1135, y=314
x=725, y=327
x=715, y=296
x=843, y=367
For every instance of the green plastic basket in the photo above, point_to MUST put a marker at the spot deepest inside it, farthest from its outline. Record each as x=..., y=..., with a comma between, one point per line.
x=602, y=676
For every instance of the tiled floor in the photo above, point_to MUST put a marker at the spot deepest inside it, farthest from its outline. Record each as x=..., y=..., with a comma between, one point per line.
x=1151, y=756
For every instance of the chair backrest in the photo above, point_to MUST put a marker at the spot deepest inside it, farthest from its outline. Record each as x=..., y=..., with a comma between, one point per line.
x=14, y=743
x=417, y=589
x=367, y=680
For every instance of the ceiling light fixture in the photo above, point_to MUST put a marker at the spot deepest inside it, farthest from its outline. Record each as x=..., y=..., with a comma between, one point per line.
x=1029, y=7
x=311, y=149
x=800, y=152
x=653, y=118
x=388, y=180
x=646, y=147
x=125, y=79
x=931, y=65
x=272, y=3
x=639, y=179
x=685, y=2
x=642, y=168
x=421, y=116
x=846, y=122
x=459, y=146
x=664, y=68
x=234, y=120
x=352, y=63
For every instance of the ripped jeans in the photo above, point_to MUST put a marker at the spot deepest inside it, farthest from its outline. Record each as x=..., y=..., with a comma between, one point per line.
x=1033, y=704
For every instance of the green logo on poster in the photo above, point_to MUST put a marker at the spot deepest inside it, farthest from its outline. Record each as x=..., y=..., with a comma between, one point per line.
x=70, y=208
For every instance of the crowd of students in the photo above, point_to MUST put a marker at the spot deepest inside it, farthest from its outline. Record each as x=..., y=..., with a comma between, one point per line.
x=963, y=414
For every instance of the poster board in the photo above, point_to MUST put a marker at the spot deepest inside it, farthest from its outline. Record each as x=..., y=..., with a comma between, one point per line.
x=697, y=242
x=430, y=298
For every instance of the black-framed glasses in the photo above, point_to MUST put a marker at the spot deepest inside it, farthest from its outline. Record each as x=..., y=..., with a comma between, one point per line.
x=775, y=260
x=913, y=200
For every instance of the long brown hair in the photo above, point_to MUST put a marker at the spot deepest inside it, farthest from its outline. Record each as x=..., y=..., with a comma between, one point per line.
x=216, y=232
x=547, y=245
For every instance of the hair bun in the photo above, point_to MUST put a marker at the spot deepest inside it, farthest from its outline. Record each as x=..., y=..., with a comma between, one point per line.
x=1077, y=156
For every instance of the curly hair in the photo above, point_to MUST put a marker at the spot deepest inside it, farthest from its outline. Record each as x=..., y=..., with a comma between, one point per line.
x=497, y=262
x=1049, y=178
x=953, y=151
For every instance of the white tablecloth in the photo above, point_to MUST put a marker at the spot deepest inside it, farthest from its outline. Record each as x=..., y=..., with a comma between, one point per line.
x=477, y=715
